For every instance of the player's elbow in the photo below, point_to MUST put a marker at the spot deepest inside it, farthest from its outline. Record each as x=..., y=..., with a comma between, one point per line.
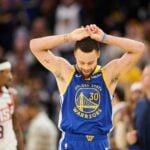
x=32, y=45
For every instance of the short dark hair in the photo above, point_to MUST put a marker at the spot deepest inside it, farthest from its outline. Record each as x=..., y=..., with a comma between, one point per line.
x=87, y=45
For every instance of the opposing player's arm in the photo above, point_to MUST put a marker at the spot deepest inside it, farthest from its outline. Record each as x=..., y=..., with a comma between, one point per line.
x=17, y=127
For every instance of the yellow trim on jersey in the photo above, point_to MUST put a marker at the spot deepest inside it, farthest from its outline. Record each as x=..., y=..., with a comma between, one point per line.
x=97, y=69
x=69, y=80
x=105, y=78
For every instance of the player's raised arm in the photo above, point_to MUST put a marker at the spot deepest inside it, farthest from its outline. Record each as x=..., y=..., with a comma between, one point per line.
x=133, y=49
x=133, y=52
x=61, y=68
x=41, y=47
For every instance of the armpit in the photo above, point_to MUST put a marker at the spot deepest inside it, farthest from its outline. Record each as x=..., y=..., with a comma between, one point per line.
x=59, y=76
x=114, y=79
x=47, y=61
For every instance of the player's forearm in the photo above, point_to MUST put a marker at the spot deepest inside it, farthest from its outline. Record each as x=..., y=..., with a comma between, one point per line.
x=125, y=44
x=48, y=42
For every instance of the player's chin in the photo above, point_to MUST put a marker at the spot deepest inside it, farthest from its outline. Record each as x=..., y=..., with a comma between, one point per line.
x=86, y=75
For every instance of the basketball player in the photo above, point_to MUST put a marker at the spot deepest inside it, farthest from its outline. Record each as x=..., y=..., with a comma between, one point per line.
x=9, y=127
x=86, y=88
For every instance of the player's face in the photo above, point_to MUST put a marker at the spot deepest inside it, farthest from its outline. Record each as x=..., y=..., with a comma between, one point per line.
x=86, y=62
x=6, y=77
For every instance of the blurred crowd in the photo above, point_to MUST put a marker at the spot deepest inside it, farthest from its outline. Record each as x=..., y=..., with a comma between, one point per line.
x=37, y=93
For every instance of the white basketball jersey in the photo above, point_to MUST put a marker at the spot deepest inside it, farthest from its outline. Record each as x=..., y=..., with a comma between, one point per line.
x=7, y=136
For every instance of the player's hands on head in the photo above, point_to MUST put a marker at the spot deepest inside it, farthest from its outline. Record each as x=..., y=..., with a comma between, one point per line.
x=91, y=30
x=79, y=34
x=95, y=32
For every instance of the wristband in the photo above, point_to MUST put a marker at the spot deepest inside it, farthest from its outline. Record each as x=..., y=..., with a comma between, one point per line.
x=103, y=37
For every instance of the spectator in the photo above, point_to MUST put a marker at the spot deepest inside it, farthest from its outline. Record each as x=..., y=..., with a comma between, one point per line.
x=121, y=120
x=67, y=18
x=142, y=118
x=42, y=133
x=136, y=94
x=10, y=131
